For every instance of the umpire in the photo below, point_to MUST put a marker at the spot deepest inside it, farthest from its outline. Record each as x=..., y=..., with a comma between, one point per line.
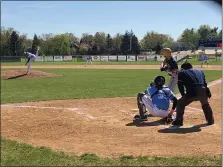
x=196, y=90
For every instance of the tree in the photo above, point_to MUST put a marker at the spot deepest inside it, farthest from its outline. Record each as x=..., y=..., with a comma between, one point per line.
x=14, y=44
x=125, y=45
x=46, y=44
x=220, y=34
x=116, y=43
x=100, y=40
x=35, y=44
x=86, y=38
x=83, y=49
x=73, y=51
x=190, y=35
x=60, y=45
x=151, y=39
x=65, y=45
x=95, y=49
x=5, y=41
x=204, y=31
x=214, y=32
x=158, y=48
x=135, y=45
x=72, y=38
x=26, y=43
x=108, y=42
x=74, y=42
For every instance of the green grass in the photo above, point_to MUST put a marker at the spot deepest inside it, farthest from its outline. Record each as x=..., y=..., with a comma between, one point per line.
x=19, y=154
x=74, y=62
x=83, y=83
x=82, y=63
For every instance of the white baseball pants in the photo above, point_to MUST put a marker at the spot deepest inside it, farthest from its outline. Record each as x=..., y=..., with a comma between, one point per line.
x=88, y=61
x=29, y=64
x=153, y=109
x=172, y=83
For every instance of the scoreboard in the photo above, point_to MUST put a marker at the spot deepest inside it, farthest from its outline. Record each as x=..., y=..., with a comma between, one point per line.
x=212, y=42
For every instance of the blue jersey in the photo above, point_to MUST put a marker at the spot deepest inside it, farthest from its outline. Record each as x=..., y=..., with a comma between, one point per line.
x=161, y=99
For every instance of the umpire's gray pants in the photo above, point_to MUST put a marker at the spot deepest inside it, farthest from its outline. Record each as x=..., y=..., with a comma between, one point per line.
x=172, y=83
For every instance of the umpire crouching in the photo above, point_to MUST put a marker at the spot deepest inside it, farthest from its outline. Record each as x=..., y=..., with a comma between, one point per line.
x=196, y=90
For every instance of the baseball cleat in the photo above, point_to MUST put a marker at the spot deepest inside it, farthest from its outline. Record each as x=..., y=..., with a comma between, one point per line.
x=210, y=123
x=175, y=123
x=139, y=118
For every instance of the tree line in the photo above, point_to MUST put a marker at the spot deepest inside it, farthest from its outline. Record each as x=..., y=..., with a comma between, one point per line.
x=14, y=43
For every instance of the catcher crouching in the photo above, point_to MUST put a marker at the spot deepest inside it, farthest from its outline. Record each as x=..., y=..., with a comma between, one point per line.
x=156, y=99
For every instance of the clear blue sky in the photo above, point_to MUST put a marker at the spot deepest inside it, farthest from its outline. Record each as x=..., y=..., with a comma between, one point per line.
x=167, y=17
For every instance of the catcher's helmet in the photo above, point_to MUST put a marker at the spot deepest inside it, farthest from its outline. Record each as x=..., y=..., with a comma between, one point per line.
x=159, y=81
x=186, y=66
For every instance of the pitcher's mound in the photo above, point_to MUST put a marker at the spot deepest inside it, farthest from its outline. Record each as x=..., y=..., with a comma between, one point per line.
x=16, y=74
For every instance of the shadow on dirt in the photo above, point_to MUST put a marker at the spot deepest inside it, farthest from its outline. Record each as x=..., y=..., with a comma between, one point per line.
x=143, y=124
x=17, y=76
x=182, y=130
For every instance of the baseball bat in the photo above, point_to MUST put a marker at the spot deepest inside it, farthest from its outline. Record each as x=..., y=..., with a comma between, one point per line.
x=182, y=59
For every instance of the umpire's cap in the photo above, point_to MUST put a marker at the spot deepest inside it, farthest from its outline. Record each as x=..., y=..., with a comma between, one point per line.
x=186, y=66
x=159, y=81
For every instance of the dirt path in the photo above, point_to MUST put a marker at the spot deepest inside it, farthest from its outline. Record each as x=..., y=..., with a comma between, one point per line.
x=104, y=126
x=211, y=67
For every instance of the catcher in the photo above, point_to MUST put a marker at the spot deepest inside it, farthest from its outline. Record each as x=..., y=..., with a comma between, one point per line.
x=170, y=66
x=157, y=100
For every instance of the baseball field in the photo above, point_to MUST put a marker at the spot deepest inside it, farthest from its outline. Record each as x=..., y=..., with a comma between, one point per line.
x=71, y=115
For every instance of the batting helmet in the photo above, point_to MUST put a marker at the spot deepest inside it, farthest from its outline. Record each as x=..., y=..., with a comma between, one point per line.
x=186, y=66
x=159, y=81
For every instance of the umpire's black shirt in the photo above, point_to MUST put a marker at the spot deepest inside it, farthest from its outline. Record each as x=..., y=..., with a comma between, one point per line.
x=191, y=79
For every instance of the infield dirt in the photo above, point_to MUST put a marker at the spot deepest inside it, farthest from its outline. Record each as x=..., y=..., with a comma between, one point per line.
x=16, y=74
x=104, y=126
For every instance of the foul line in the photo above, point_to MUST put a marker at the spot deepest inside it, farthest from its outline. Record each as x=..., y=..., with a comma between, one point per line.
x=76, y=110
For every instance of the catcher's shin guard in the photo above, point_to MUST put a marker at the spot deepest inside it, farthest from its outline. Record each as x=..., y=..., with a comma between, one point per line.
x=141, y=106
x=208, y=114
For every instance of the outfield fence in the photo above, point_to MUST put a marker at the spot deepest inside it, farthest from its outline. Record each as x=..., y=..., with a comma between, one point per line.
x=103, y=58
